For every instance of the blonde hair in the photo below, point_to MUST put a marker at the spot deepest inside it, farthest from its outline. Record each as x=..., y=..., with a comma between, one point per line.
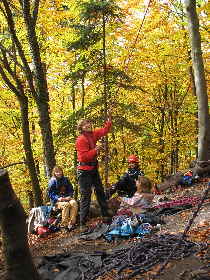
x=81, y=123
x=145, y=184
x=56, y=168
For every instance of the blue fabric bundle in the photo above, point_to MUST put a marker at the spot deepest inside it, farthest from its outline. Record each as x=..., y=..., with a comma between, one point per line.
x=127, y=227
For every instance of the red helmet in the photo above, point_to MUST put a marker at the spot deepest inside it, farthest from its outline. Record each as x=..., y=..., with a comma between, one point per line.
x=133, y=159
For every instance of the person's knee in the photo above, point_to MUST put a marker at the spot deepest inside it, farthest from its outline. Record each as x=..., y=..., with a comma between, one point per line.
x=66, y=205
x=74, y=203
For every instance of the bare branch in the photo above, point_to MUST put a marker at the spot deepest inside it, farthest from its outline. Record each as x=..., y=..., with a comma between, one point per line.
x=12, y=56
x=12, y=164
x=5, y=61
x=27, y=14
x=11, y=26
x=3, y=11
x=35, y=11
x=10, y=85
x=12, y=73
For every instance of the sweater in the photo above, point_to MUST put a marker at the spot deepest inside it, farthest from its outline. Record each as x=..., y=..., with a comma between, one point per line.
x=54, y=188
x=126, y=186
x=85, y=146
x=138, y=202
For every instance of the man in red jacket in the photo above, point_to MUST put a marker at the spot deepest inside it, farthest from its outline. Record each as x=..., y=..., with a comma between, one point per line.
x=87, y=170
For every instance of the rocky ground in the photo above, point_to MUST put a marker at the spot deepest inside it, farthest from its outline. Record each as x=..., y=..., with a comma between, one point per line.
x=196, y=267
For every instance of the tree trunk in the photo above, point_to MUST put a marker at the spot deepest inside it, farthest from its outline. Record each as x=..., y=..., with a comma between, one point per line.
x=176, y=150
x=208, y=153
x=28, y=150
x=42, y=99
x=36, y=78
x=73, y=95
x=175, y=140
x=201, y=168
x=161, y=166
x=14, y=234
x=200, y=82
x=17, y=87
x=105, y=94
x=196, y=113
x=30, y=198
x=47, y=139
x=170, y=181
x=83, y=92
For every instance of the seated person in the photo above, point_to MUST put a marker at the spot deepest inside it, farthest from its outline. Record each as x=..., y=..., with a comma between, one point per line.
x=141, y=199
x=126, y=186
x=60, y=192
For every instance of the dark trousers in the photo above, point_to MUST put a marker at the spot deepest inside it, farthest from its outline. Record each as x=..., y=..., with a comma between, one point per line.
x=87, y=180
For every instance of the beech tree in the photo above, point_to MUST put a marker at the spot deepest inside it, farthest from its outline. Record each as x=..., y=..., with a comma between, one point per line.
x=17, y=87
x=200, y=82
x=36, y=77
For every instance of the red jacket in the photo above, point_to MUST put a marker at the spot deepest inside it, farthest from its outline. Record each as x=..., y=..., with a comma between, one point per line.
x=86, y=143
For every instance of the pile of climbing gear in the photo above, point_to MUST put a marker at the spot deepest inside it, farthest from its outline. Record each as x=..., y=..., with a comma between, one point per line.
x=124, y=263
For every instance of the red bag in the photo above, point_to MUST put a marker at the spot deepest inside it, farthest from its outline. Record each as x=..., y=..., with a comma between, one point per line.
x=43, y=231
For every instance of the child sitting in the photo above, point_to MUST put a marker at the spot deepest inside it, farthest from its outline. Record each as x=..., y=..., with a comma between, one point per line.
x=141, y=199
x=60, y=191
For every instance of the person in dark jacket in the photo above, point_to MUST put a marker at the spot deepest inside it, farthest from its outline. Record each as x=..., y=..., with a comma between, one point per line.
x=87, y=170
x=60, y=192
x=126, y=186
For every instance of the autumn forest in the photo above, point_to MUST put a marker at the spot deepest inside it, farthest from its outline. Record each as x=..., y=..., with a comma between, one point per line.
x=61, y=61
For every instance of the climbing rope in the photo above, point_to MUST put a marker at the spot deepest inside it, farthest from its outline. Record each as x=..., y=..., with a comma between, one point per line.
x=190, y=222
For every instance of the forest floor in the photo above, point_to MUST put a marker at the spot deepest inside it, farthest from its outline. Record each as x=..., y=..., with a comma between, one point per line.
x=190, y=268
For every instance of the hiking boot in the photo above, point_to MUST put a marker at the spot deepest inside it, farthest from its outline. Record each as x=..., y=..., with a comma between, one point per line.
x=63, y=228
x=71, y=227
x=156, y=228
x=67, y=228
x=107, y=219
